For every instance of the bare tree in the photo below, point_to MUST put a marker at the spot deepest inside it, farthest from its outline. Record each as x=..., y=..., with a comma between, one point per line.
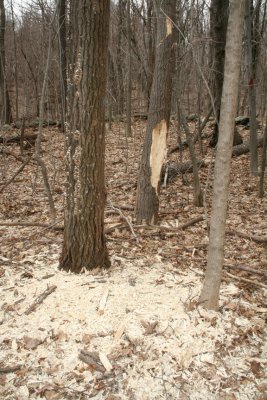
x=251, y=90
x=84, y=245
x=210, y=292
x=6, y=115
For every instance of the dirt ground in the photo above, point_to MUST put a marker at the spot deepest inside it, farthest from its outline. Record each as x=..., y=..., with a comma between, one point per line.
x=135, y=331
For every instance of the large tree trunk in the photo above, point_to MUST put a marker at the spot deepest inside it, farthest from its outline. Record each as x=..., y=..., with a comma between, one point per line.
x=210, y=292
x=154, y=150
x=84, y=244
x=6, y=115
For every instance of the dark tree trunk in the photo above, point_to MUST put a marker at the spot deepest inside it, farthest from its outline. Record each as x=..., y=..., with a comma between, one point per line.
x=6, y=115
x=218, y=27
x=84, y=244
x=62, y=57
x=154, y=150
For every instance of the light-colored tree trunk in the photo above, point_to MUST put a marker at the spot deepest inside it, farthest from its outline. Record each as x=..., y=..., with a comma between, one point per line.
x=211, y=288
x=84, y=245
x=155, y=145
x=263, y=162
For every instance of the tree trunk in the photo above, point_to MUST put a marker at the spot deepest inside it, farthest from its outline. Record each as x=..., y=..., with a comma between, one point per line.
x=6, y=115
x=210, y=292
x=219, y=10
x=84, y=244
x=154, y=149
x=129, y=77
x=62, y=57
x=263, y=162
x=251, y=91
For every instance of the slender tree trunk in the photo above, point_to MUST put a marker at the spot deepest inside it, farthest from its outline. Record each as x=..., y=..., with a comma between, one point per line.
x=6, y=115
x=15, y=61
x=218, y=27
x=154, y=150
x=263, y=162
x=211, y=288
x=219, y=10
x=129, y=77
x=84, y=245
x=62, y=57
x=251, y=91
x=119, y=60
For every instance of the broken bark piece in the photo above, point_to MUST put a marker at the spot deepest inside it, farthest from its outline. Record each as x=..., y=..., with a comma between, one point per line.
x=105, y=361
x=120, y=331
x=103, y=302
x=40, y=299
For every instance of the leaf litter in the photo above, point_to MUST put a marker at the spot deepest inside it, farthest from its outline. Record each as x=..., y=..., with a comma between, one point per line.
x=135, y=331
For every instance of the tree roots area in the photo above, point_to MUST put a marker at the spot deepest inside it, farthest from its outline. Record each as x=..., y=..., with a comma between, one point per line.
x=135, y=331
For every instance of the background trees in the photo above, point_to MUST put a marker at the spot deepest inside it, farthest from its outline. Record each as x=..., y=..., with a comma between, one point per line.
x=165, y=68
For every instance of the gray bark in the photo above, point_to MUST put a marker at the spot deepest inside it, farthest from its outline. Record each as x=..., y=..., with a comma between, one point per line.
x=211, y=288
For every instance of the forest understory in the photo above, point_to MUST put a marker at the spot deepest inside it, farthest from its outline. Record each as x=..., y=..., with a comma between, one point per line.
x=135, y=331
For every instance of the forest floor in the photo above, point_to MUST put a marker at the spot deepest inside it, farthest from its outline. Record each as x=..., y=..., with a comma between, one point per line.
x=135, y=331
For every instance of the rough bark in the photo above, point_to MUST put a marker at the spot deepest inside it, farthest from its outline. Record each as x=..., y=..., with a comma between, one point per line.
x=84, y=244
x=129, y=77
x=6, y=115
x=211, y=288
x=154, y=149
x=62, y=57
x=251, y=90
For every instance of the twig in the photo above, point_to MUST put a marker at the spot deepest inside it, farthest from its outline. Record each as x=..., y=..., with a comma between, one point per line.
x=125, y=218
x=103, y=302
x=245, y=268
x=40, y=299
x=255, y=238
x=27, y=224
x=256, y=283
x=16, y=174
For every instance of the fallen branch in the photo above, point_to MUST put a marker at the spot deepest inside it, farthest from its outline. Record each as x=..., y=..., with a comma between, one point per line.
x=34, y=224
x=171, y=228
x=16, y=174
x=186, y=167
x=29, y=138
x=256, y=283
x=246, y=269
x=255, y=238
x=40, y=299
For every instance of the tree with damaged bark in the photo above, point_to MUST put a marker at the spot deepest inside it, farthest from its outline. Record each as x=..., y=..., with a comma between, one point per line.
x=154, y=149
x=84, y=245
x=210, y=292
x=6, y=115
